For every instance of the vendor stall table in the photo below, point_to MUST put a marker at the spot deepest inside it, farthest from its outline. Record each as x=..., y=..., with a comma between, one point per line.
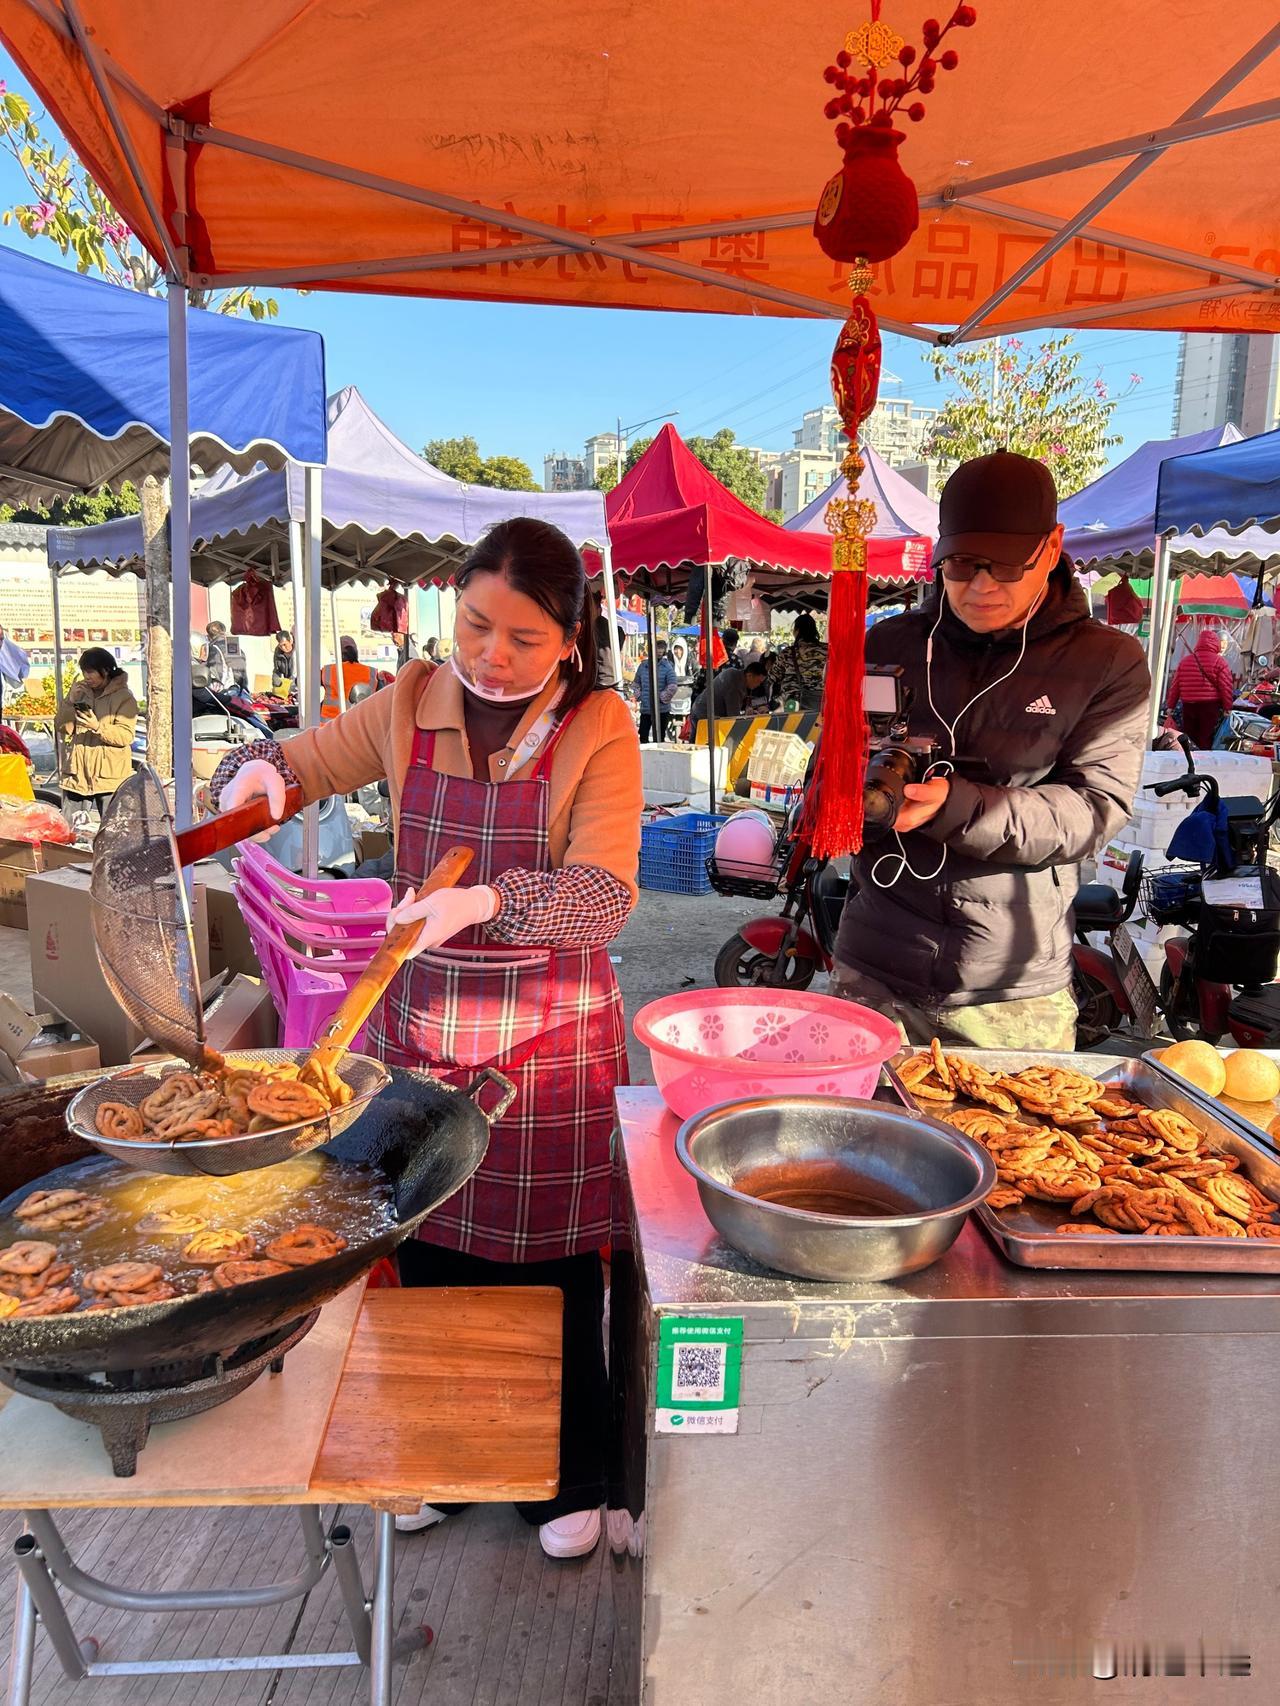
x=947, y=1490
x=394, y=1397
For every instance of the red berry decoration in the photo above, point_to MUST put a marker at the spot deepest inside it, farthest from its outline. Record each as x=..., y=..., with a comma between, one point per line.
x=950, y=59
x=907, y=56
x=915, y=112
x=966, y=17
x=844, y=59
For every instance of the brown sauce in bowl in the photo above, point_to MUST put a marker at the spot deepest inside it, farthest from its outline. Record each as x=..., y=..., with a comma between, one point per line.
x=823, y=1187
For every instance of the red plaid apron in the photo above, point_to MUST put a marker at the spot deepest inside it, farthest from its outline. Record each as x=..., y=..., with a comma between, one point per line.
x=550, y=1019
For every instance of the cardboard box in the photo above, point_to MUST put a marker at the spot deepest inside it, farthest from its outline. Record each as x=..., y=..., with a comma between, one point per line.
x=35, y=1047
x=238, y=1014
x=65, y=974
x=230, y=945
x=18, y=861
x=371, y=844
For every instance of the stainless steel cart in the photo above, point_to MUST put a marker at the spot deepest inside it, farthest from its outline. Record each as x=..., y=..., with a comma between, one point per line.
x=942, y=1492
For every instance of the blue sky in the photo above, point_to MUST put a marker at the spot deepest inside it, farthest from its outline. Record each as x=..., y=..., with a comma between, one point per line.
x=525, y=381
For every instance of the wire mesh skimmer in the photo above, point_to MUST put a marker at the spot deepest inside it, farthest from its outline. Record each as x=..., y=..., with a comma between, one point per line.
x=142, y=931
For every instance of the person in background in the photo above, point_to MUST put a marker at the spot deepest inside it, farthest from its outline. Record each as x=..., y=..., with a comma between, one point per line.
x=406, y=650
x=804, y=667
x=1203, y=686
x=354, y=675
x=644, y=693
x=606, y=675
x=224, y=658
x=97, y=722
x=731, y=639
x=283, y=664
x=432, y=653
x=734, y=691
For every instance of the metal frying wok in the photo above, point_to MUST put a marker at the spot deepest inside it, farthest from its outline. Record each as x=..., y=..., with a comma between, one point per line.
x=425, y=1136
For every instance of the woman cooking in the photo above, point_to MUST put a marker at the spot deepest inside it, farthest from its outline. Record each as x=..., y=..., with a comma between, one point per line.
x=96, y=723
x=508, y=749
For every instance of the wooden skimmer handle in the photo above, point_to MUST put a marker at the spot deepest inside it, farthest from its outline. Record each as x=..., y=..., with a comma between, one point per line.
x=365, y=993
x=227, y=829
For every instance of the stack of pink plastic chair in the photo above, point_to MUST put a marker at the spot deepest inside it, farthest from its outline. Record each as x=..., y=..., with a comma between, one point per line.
x=313, y=937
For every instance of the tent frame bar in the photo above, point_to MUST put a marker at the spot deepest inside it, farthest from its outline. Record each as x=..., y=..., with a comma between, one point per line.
x=1144, y=147
x=102, y=83
x=1244, y=66
x=1223, y=268
x=1112, y=313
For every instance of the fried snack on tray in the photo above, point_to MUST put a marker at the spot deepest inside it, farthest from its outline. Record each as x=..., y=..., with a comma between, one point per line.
x=28, y=1256
x=8, y=1306
x=227, y=1274
x=26, y=1286
x=59, y=1302
x=1119, y=1168
x=243, y=1098
x=123, y=1276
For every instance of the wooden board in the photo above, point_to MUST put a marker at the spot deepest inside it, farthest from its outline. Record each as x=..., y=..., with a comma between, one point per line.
x=259, y=1448
x=449, y=1394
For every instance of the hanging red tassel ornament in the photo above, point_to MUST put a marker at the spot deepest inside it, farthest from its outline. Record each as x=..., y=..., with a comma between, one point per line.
x=867, y=213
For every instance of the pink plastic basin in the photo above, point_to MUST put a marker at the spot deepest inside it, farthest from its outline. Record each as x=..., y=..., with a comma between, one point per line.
x=718, y=1045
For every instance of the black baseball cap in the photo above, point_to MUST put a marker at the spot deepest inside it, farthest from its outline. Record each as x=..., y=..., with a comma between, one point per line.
x=999, y=506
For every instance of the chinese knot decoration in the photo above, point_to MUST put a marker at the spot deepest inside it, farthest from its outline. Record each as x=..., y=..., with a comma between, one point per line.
x=867, y=213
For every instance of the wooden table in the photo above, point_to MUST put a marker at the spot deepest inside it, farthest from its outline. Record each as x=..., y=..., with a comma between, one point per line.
x=395, y=1398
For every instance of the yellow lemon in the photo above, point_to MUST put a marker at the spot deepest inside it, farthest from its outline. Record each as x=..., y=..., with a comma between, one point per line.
x=1251, y=1077
x=1199, y=1063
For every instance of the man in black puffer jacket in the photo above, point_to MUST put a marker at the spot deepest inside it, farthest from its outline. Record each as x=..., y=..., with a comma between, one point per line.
x=960, y=926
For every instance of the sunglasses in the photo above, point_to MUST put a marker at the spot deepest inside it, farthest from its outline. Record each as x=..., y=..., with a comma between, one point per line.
x=959, y=568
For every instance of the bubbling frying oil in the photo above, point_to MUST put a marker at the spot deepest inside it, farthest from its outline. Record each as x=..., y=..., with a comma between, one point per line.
x=351, y=1200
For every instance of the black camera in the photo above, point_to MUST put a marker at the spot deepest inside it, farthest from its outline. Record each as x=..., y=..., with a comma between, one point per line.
x=894, y=758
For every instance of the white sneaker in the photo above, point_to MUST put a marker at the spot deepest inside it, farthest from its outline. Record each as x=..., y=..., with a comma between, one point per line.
x=427, y=1517
x=571, y=1536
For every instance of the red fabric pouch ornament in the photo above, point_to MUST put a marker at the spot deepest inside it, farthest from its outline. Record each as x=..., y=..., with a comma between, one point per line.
x=868, y=212
x=253, y=608
x=390, y=612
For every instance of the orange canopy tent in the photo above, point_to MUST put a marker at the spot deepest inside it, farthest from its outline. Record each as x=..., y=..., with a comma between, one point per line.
x=1096, y=162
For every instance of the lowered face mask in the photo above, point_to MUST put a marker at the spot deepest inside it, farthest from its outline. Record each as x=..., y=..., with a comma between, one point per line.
x=496, y=695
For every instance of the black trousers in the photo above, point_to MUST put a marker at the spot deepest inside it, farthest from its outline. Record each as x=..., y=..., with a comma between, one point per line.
x=100, y=801
x=646, y=725
x=584, y=1383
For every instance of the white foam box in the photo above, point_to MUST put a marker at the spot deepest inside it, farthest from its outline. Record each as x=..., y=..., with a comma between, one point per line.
x=673, y=769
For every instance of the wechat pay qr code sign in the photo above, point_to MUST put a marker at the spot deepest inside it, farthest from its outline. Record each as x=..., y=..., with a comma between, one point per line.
x=699, y=1368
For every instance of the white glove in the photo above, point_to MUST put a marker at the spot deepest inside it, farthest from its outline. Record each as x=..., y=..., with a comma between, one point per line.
x=445, y=914
x=255, y=780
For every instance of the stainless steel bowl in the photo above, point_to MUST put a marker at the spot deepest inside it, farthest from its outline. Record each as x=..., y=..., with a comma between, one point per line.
x=939, y=1172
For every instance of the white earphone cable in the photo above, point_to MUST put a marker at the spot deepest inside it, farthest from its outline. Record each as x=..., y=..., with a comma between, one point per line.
x=946, y=766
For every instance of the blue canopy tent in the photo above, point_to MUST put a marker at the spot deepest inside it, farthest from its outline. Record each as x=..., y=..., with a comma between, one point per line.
x=1229, y=489
x=1115, y=523
x=94, y=383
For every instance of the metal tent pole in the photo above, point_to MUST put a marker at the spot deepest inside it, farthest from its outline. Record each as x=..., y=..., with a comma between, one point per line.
x=611, y=609
x=711, y=690
x=655, y=709
x=1159, y=632
x=180, y=549
x=304, y=575
x=57, y=636
x=338, y=685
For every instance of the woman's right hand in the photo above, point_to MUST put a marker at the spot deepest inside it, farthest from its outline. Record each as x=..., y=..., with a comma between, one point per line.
x=256, y=780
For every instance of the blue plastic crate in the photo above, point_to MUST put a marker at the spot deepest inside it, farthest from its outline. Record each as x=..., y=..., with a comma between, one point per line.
x=674, y=853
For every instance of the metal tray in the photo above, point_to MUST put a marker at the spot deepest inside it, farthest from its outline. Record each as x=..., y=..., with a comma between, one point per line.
x=1026, y=1234
x=1251, y=1118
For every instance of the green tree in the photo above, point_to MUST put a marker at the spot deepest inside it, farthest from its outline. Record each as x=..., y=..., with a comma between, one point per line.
x=80, y=509
x=461, y=458
x=731, y=464
x=70, y=211
x=1029, y=398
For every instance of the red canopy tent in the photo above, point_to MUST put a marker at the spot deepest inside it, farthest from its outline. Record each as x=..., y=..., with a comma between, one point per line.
x=670, y=513
x=900, y=545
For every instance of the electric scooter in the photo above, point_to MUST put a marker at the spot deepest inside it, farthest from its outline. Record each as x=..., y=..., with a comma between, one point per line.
x=786, y=950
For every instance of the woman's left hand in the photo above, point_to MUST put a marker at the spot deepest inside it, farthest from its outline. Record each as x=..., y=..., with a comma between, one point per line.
x=445, y=914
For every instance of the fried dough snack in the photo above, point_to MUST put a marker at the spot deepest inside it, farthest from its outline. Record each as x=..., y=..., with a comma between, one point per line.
x=1120, y=1168
x=247, y=1097
x=305, y=1245
x=208, y=1249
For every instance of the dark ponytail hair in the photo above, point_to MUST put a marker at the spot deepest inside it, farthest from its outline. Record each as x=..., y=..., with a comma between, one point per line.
x=541, y=562
x=101, y=662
